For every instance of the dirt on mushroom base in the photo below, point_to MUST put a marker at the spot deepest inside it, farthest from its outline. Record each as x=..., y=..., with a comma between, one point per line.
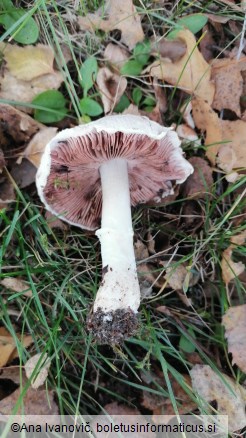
x=112, y=327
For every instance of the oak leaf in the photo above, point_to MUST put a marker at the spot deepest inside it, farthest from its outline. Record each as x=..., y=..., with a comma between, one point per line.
x=231, y=269
x=229, y=395
x=234, y=321
x=228, y=85
x=111, y=87
x=36, y=146
x=198, y=185
x=42, y=372
x=190, y=73
x=16, y=284
x=35, y=404
x=115, y=55
x=224, y=139
x=116, y=14
x=29, y=62
x=28, y=72
x=8, y=349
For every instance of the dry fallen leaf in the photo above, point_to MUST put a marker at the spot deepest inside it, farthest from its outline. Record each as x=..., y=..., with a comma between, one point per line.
x=224, y=139
x=231, y=269
x=111, y=87
x=186, y=111
x=24, y=173
x=29, y=71
x=16, y=127
x=160, y=96
x=7, y=193
x=55, y=222
x=171, y=49
x=146, y=276
x=118, y=14
x=234, y=321
x=132, y=109
x=115, y=55
x=29, y=62
x=16, y=284
x=14, y=373
x=8, y=350
x=191, y=73
x=35, y=402
x=179, y=277
x=185, y=132
x=230, y=396
x=42, y=372
x=199, y=184
x=36, y=146
x=140, y=250
x=161, y=406
x=2, y=160
x=207, y=44
x=228, y=85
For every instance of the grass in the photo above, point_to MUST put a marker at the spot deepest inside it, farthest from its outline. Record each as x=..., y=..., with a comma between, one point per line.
x=63, y=268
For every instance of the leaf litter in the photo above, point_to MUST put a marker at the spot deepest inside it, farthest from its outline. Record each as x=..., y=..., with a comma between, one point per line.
x=214, y=86
x=229, y=395
x=234, y=321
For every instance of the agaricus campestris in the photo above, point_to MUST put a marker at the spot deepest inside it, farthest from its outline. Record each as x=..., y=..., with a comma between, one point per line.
x=93, y=173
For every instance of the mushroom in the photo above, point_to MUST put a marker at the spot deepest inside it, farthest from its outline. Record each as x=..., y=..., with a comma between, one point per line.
x=93, y=173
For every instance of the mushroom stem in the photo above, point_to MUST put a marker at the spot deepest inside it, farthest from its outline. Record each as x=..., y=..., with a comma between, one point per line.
x=120, y=287
x=118, y=298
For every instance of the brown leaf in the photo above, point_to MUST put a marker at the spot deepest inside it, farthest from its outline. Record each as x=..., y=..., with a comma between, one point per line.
x=229, y=395
x=24, y=174
x=160, y=96
x=171, y=49
x=132, y=109
x=185, y=132
x=218, y=18
x=54, y=221
x=190, y=73
x=14, y=373
x=186, y=113
x=16, y=284
x=199, y=184
x=224, y=139
x=234, y=321
x=163, y=406
x=35, y=402
x=231, y=269
x=2, y=160
x=29, y=62
x=16, y=128
x=115, y=55
x=25, y=91
x=120, y=15
x=232, y=5
x=206, y=44
x=140, y=250
x=179, y=277
x=7, y=193
x=111, y=87
x=192, y=215
x=42, y=371
x=36, y=146
x=28, y=72
x=228, y=85
x=115, y=408
x=8, y=350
